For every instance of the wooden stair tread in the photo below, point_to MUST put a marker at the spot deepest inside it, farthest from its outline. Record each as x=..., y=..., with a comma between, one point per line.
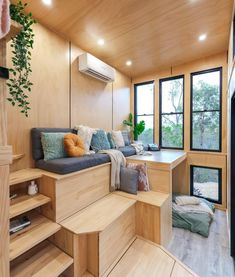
x=150, y=197
x=17, y=156
x=97, y=216
x=87, y=274
x=26, y=203
x=24, y=175
x=145, y=258
x=40, y=229
x=48, y=262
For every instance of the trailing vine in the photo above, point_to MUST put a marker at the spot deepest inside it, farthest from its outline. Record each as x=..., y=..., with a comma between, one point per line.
x=19, y=84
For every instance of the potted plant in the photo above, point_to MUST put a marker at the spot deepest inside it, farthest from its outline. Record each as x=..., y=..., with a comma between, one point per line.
x=137, y=129
x=19, y=84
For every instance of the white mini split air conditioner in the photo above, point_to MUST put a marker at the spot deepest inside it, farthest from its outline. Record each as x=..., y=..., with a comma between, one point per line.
x=94, y=67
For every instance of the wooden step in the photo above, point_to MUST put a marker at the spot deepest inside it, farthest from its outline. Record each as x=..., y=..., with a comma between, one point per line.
x=149, y=197
x=26, y=203
x=50, y=261
x=16, y=157
x=24, y=175
x=40, y=229
x=145, y=258
x=99, y=215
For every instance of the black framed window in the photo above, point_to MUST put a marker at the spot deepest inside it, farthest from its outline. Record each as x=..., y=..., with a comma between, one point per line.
x=144, y=109
x=206, y=182
x=206, y=106
x=171, y=125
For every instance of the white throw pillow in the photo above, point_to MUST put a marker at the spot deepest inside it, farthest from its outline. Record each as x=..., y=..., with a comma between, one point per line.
x=187, y=200
x=86, y=134
x=118, y=138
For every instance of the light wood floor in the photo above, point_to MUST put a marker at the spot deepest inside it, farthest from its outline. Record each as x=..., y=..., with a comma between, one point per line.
x=205, y=256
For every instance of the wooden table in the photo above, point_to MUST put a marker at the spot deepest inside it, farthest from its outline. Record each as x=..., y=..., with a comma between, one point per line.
x=160, y=166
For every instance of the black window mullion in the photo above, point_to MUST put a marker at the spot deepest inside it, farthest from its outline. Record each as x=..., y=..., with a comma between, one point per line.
x=135, y=104
x=161, y=114
x=207, y=111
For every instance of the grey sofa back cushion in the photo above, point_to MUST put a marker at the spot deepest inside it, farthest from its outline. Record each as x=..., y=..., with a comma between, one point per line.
x=129, y=180
x=37, y=151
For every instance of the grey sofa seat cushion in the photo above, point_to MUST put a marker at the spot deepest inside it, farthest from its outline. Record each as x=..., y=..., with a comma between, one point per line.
x=37, y=150
x=127, y=151
x=68, y=165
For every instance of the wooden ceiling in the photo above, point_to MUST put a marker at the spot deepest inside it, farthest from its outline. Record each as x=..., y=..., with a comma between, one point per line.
x=154, y=34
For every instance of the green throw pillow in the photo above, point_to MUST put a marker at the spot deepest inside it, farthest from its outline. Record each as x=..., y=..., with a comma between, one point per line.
x=53, y=145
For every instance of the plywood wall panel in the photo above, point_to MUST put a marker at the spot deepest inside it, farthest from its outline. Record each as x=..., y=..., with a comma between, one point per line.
x=49, y=99
x=121, y=99
x=91, y=99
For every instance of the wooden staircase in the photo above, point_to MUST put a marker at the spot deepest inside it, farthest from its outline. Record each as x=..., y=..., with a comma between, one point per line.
x=119, y=234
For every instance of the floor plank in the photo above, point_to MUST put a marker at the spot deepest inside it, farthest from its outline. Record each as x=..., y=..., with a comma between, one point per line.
x=205, y=256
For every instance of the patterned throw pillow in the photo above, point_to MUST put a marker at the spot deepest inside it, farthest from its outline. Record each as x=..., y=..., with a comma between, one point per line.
x=86, y=134
x=143, y=182
x=100, y=141
x=111, y=141
x=53, y=145
x=126, y=137
x=118, y=138
x=129, y=180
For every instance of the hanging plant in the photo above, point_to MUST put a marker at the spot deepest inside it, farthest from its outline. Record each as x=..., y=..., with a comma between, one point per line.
x=19, y=84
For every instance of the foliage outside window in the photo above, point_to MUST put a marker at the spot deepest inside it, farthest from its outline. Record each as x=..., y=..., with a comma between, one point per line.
x=206, y=183
x=206, y=110
x=172, y=112
x=144, y=110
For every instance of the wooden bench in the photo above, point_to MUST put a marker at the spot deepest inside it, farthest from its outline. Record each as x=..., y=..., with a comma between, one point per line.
x=153, y=215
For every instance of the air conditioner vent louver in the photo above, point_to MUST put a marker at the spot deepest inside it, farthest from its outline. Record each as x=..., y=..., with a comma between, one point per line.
x=94, y=67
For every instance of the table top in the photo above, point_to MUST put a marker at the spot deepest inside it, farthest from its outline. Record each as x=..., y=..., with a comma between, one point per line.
x=164, y=159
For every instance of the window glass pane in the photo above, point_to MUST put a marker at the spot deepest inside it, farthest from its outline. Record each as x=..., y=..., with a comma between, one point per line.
x=172, y=131
x=206, y=91
x=206, y=132
x=206, y=183
x=147, y=136
x=172, y=95
x=145, y=99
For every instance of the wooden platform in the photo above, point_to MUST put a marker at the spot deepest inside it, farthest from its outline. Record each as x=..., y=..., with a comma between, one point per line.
x=153, y=215
x=161, y=165
x=40, y=229
x=163, y=159
x=149, y=197
x=99, y=215
x=144, y=258
x=50, y=261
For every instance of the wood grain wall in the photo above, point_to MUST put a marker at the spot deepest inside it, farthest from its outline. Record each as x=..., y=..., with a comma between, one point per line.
x=61, y=99
x=181, y=177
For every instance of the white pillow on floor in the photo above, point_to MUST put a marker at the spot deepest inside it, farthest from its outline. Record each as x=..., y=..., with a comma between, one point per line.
x=118, y=138
x=187, y=200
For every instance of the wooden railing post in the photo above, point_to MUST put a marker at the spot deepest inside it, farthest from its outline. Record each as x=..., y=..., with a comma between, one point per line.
x=5, y=160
